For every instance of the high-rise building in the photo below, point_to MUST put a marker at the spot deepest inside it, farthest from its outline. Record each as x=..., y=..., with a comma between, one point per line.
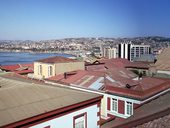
x=110, y=53
x=124, y=50
x=130, y=51
x=138, y=50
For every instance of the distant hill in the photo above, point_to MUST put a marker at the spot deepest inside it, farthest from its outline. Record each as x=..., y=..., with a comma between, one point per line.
x=158, y=38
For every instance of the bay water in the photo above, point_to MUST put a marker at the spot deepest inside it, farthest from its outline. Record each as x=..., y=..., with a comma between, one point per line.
x=9, y=58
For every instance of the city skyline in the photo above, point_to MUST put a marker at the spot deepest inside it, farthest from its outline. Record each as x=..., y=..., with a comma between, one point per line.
x=56, y=19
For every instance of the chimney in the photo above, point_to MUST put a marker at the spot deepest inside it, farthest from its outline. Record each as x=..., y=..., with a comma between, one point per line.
x=20, y=65
x=65, y=75
x=128, y=86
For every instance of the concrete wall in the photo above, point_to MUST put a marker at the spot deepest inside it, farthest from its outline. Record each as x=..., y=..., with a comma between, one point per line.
x=67, y=121
x=67, y=67
x=164, y=72
x=104, y=107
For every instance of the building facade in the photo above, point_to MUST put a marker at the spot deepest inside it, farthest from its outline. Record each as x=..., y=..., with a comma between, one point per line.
x=118, y=106
x=124, y=50
x=130, y=51
x=138, y=50
x=52, y=66
x=109, y=52
x=83, y=118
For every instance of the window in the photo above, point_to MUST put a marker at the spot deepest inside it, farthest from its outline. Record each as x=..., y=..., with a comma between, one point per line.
x=80, y=121
x=129, y=108
x=39, y=69
x=50, y=71
x=144, y=73
x=114, y=105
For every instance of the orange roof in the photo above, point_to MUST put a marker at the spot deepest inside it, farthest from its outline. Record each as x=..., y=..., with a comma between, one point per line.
x=57, y=59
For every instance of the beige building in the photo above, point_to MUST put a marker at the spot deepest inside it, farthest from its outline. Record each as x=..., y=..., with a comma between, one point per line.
x=52, y=66
x=109, y=52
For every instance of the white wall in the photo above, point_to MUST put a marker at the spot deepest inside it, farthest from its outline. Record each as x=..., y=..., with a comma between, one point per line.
x=122, y=99
x=66, y=121
x=164, y=72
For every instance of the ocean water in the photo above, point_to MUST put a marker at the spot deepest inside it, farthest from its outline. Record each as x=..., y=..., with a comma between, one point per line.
x=9, y=58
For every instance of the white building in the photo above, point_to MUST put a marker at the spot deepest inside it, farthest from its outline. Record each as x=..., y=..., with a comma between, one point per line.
x=130, y=51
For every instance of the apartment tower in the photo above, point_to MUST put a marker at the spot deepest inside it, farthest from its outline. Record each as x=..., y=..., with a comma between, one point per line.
x=130, y=51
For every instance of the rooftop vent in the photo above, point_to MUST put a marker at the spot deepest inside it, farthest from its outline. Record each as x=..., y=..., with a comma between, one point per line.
x=66, y=74
x=128, y=86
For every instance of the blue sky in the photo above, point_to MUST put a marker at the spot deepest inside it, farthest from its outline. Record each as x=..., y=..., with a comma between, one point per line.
x=56, y=19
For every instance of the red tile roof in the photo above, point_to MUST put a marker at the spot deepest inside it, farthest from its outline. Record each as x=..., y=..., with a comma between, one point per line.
x=116, y=62
x=85, y=78
x=16, y=66
x=57, y=59
x=140, y=65
x=78, y=78
x=124, y=63
x=139, y=89
x=116, y=79
x=10, y=67
x=19, y=68
x=143, y=89
x=24, y=71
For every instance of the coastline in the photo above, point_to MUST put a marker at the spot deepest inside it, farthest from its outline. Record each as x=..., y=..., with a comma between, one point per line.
x=8, y=57
x=72, y=53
